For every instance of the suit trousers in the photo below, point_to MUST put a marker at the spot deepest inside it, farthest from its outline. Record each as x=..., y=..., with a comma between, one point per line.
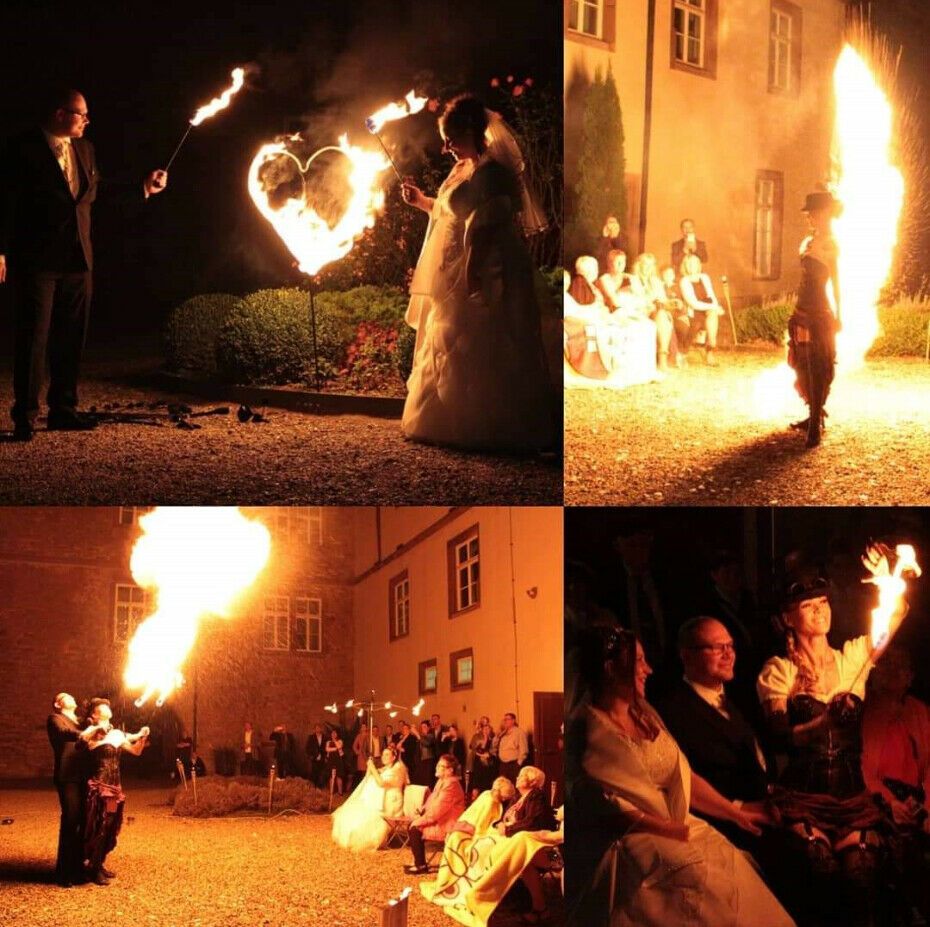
x=510, y=770
x=50, y=311
x=69, y=866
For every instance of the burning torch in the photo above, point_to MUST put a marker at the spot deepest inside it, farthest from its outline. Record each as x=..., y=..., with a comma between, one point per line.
x=211, y=109
x=726, y=295
x=375, y=122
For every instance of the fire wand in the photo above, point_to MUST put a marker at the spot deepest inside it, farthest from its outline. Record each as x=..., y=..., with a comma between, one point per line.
x=190, y=126
x=370, y=125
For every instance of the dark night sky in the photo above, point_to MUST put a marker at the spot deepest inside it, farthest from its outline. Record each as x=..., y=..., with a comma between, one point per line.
x=145, y=67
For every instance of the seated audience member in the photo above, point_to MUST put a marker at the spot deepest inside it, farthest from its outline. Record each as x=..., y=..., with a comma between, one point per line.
x=681, y=317
x=583, y=288
x=615, y=283
x=689, y=243
x=896, y=764
x=444, y=803
x=699, y=296
x=717, y=740
x=531, y=811
x=647, y=285
x=612, y=239
x=637, y=854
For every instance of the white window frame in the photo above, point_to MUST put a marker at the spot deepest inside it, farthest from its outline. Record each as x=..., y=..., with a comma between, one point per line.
x=764, y=230
x=130, y=514
x=297, y=522
x=692, y=11
x=276, y=610
x=131, y=611
x=576, y=12
x=308, y=611
x=780, y=49
x=467, y=594
x=400, y=607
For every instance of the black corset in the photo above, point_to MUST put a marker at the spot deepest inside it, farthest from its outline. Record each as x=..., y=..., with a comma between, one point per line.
x=831, y=763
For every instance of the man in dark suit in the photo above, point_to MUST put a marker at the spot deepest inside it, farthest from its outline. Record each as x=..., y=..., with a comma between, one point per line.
x=70, y=778
x=689, y=243
x=713, y=734
x=48, y=183
x=316, y=756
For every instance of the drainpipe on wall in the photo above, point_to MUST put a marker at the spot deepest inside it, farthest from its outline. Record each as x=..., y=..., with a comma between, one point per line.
x=513, y=611
x=647, y=123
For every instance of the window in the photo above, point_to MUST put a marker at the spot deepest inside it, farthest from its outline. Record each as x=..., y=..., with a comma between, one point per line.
x=766, y=260
x=464, y=572
x=276, y=624
x=132, y=605
x=399, y=606
x=428, y=674
x=130, y=514
x=297, y=523
x=694, y=36
x=784, y=48
x=462, y=669
x=586, y=17
x=308, y=625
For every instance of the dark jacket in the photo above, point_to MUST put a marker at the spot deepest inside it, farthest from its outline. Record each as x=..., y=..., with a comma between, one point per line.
x=534, y=814
x=70, y=754
x=678, y=252
x=721, y=751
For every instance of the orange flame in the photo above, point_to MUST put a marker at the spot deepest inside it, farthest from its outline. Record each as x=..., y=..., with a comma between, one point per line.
x=222, y=101
x=891, y=589
x=411, y=105
x=308, y=236
x=197, y=561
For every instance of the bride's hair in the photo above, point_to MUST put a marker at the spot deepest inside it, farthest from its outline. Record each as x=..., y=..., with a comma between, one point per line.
x=393, y=753
x=466, y=115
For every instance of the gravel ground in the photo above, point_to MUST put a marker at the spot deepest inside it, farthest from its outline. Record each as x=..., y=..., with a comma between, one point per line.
x=697, y=439
x=178, y=872
x=294, y=458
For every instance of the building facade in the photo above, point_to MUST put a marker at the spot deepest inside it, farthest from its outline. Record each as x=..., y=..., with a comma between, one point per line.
x=727, y=116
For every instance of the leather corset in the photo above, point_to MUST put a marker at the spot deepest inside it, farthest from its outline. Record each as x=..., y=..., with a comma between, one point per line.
x=831, y=763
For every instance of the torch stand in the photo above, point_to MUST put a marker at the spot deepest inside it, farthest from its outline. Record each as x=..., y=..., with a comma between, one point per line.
x=316, y=354
x=182, y=775
x=726, y=292
x=194, y=780
x=271, y=777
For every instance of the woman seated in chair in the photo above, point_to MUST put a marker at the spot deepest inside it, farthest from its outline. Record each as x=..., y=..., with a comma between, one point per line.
x=359, y=823
x=681, y=314
x=647, y=285
x=703, y=306
x=444, y=803
x=583, y=288
x=531, y=811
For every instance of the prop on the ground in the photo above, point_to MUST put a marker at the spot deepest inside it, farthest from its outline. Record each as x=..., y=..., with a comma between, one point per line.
x=219, y=796
x=394, y=913
x=159, y=413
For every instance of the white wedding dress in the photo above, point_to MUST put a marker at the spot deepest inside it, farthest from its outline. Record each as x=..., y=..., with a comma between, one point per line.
x=479, y=377
x=358, y=823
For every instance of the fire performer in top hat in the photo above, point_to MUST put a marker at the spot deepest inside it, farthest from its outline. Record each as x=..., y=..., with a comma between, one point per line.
x=813, y=326
x=48, y=182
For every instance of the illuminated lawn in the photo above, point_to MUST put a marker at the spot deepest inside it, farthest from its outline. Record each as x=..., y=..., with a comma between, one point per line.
x=179, y=872
x=695, y=439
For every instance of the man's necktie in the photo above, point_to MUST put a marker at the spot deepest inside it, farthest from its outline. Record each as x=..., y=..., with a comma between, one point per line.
x=65, y=156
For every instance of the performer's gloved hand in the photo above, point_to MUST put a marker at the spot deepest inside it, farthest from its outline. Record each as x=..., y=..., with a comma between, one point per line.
x=841, y=709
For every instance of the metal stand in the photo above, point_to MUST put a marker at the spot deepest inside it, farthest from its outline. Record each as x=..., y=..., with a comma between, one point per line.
x=271, y=777
x=194, y=779
x=394, y=913
x=182, y=775
x=316, y=354
x=726, y=293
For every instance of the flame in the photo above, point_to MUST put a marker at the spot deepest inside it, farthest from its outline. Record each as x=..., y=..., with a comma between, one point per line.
x=871, y=189
x=411, y=105
x=222, y=101
x=307, y=235
x=197, y=560
x=891, y=589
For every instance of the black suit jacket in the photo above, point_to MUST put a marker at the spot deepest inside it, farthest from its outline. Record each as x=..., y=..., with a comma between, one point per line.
x=70, y=756
x=678, y=252
x=316, y=748
x=721, y=751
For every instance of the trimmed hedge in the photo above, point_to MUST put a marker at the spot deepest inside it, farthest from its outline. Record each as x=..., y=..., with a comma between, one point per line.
x=192, y=331
x=903, y=324
x=218, y=797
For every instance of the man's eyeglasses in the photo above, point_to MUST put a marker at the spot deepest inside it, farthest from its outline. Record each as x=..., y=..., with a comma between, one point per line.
x=716, y=649
x=74, y=112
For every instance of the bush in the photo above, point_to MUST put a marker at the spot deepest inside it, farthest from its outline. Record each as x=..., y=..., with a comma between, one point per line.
x=767, y=322
x=193, y=327
x=218, y=797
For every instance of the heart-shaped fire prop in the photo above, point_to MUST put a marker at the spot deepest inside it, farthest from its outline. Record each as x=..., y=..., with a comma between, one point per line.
x=312, y=240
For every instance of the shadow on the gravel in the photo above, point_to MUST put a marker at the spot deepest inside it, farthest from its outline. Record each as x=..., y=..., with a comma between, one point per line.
x=763, y=459
x=28, y=871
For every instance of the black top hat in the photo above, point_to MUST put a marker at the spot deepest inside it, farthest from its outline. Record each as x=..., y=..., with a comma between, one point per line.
x=809, y=585
x=819, y=199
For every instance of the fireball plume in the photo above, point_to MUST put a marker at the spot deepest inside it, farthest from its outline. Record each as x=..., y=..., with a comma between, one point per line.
x=196, y=561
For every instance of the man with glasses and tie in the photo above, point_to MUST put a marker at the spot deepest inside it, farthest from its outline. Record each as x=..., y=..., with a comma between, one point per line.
x=48, y=182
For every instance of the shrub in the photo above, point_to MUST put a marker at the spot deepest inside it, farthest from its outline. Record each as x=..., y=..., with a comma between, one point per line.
x=372, y=359
x=218, y=797
x=767, y=322
x=904, y=327
x=555, y=290
x=193, y=327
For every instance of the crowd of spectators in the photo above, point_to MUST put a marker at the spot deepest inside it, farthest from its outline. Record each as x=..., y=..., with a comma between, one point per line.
x=631, y=320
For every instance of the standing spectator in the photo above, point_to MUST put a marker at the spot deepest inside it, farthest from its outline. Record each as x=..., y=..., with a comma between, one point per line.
x=438, y=729
x=510, y=747
x=361, y=748
x=612, y=239
x=689, y=243
x=483, y=763
x=409, y=747
x=452, y=742
x=316, y=756
x=283, y=751
x=388, y=738
x=427, y=751
x=335, y=760
x=249, y=763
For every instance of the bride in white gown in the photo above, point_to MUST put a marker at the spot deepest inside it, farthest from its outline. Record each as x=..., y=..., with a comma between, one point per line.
x=358, y=823
x=479, y=377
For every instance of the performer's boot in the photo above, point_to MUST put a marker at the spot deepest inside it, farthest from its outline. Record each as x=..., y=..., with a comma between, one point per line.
x=815, y=422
